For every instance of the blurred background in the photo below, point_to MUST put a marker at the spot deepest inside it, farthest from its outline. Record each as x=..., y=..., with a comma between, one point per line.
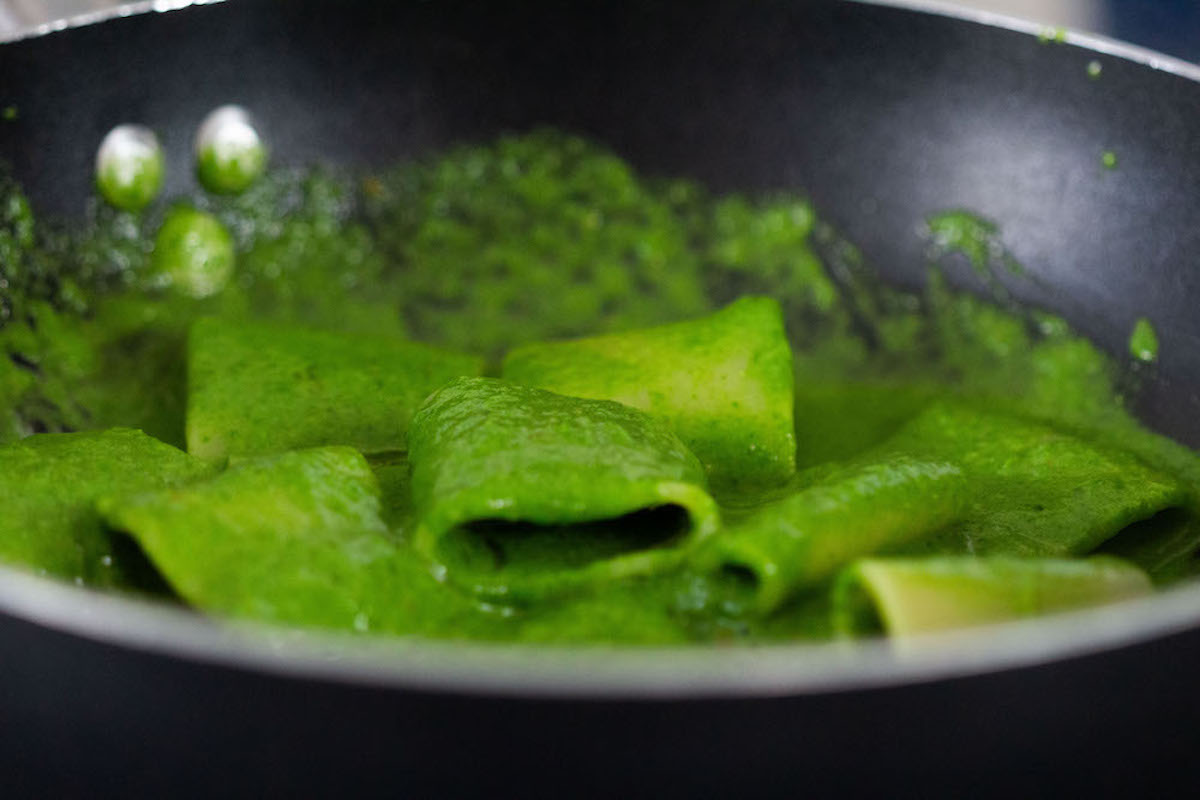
x=1172, y=26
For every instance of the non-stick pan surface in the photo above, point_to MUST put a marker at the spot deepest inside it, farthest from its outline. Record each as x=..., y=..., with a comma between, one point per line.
x=883, y=115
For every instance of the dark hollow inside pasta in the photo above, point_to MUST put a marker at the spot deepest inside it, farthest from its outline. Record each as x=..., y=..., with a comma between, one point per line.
x=501, y=545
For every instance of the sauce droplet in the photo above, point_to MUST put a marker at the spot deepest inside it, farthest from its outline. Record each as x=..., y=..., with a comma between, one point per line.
x=230, y=154
x=130, y=167
x=1049, y=35
x=1143, y=342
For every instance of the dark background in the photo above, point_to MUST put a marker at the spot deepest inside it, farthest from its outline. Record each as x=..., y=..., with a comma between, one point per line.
x=1172, y=26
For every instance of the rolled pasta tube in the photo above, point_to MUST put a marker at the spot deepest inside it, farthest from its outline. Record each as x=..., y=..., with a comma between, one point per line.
x=1035, y=490
x=295, y=539
x=724, y=382
x=802, y=540
x=486, y=453
x=909, y=596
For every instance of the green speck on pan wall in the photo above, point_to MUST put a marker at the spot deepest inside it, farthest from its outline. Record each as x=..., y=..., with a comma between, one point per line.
x=1143, y=342
x=10, y=113
x=1056, y=35
x=1094, y=69
x=1109, y=159
x=976, y=238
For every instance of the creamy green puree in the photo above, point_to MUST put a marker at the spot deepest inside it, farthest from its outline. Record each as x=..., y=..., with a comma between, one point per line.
x=517, y=391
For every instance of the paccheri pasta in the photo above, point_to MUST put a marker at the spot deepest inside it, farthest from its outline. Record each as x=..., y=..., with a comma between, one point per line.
x=521, y=393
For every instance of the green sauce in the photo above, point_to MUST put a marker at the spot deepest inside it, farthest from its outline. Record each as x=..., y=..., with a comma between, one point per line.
x=193, y=253
x=1055, y=35
x=1143, y=341
x=496, y=248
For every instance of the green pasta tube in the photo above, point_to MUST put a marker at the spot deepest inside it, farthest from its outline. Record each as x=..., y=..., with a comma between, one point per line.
x=1165, y=546
x=296, y=539
x=724, y=382
x=50, y=486
x=802, y=540
x=909, y=596
x=1035, y=491
x=255, y=389
x=513, y=488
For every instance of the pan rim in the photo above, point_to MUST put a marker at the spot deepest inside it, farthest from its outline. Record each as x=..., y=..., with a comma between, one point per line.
x=591, y=672
x=117, y=10
x=1097, y=42
x=605, y=673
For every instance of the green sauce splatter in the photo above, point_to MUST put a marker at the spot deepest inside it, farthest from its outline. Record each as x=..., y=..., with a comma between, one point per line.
x=1143, y=342
x=531, y=237
x=193, y=253
x=1109, y=159
x=1055, y=35
x=963, y=232
x=1094, y=69
x=978, y=240
x=10, y=114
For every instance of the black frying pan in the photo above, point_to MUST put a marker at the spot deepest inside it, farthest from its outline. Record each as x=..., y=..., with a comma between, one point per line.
x=883, y=115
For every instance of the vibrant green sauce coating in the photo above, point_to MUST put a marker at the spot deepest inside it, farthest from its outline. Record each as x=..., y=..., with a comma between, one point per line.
x=532, y=237
x=483, y=450
x=1034, y=490
x=230, y=175
x=724, y=382
x=193, y=253
x=802, y=540
x=130, y=167
x=1163, y=546
x=230, y=155
x=255, y=388
x=965, y=233
x=49, y=488
x=911, y=596
x=925, y=423
x=295, y=538
x=1143, y=341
